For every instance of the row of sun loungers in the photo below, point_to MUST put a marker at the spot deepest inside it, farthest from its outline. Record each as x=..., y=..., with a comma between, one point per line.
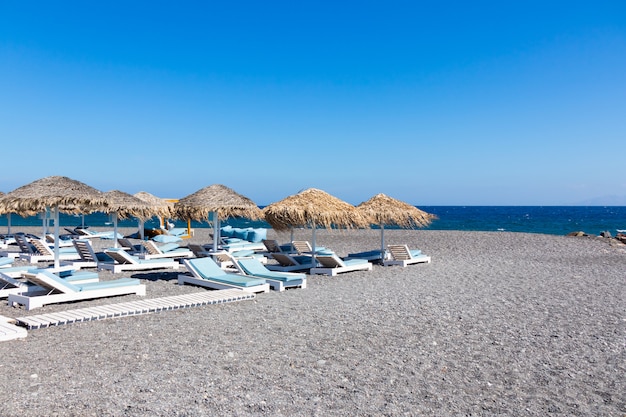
x=245, y=270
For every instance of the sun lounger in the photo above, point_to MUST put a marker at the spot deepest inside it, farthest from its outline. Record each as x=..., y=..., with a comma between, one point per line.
x=43, y=252
x=272, y=246
x=88, y=234
x=290, y=263
x=128, y=246
x=332, y=265
x=199, y=251
x=205, y=272
x=303, y=247
x=88, y=257
x=62, y=242
x=54, y=289
x=168, y=250
x=278, y=280
x=15, y=284
x=123, y=261
x=229, y=260
x=402, y=255
x=373, y=255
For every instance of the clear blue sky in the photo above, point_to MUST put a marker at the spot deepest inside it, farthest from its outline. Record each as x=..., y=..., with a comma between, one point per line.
x=434, y=103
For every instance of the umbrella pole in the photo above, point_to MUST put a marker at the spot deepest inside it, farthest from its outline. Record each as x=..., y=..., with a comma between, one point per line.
x=57, y=264
x=141, y=229
x=313, y=243
x=216, y=230
x=115, y=229
x=382, y=241
x=44, y=217
x=8, y=223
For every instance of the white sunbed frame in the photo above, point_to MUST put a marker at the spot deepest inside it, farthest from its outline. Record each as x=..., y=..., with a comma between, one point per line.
x=275, y=283
x=123, y=261
x=154, y=252
x=46, y=253
x=401, y=255
x=54, y=291
x=333, y=265
x=287, y=263
x=196, y=279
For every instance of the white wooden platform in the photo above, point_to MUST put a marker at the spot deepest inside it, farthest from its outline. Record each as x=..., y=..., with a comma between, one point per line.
x=134, y=308
x=9, y=331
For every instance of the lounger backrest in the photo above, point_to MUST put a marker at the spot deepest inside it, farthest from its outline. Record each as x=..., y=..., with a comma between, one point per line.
x=125, y=243
x=151, y=247
x=302, y=246
x=284, y=260
x=271, y=245
x=6, y=281
x=50, y=281
x=399, y=252
x=252, y=266
x=330, y=261
x=198, y=250
x=23, y=243
x=120, y=256
x=204, y=267
x=42, y=247
x=85, y=250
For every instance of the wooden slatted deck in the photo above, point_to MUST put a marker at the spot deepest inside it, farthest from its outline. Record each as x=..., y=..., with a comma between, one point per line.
x=133, y=308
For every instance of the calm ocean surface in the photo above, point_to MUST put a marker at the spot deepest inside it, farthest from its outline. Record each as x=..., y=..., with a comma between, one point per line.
x=555, y=220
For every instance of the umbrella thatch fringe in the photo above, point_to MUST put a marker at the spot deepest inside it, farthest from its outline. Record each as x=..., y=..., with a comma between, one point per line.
x=315, y=208
x=218, y=199
x=382, y=209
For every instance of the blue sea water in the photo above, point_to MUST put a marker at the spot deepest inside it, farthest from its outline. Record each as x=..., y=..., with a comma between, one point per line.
x=554, y=220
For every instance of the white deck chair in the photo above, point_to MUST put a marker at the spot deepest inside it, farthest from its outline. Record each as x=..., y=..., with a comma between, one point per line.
x=57, y=290
x=168, y=250
x=278, y=281
x=332, y=265
x=403, y=256
x=43, y=252
x=289, y=263
x=205, y=272
x=123, y=261
x=89, y=258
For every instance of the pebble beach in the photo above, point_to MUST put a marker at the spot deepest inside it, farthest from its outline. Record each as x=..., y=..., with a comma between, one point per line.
x=498, y=324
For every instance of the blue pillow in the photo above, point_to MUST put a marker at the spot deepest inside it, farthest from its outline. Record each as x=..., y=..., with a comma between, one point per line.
x=240, y=233
x=168, y=247
x=166, y=239
x=257, y=235
x=226, y=231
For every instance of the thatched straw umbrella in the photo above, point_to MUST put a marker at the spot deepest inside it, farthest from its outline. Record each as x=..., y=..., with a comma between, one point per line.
x=161, y=206
x=384, y=210
x=219, y=200
x=121, y=205
x=314, y=208
x=56, y=192
x=163, y=209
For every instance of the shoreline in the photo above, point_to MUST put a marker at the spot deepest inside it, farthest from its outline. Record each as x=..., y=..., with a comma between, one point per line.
x=500, y=323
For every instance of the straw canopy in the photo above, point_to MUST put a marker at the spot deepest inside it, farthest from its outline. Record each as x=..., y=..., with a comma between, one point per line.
x=384, y=210
x=126, y=205
x=161, y=207
x=315, y=208
x=70, y=196
x=218, y=199
x=56, y=192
